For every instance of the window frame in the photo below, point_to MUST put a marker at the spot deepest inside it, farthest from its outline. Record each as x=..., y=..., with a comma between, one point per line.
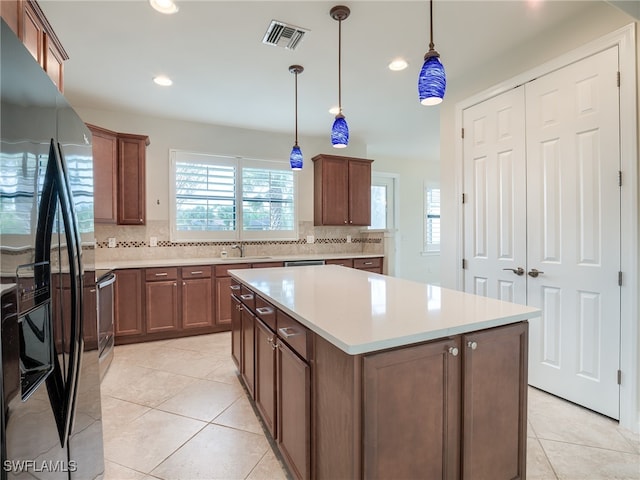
x=430, y=248
x=238, y=234
x=390, y=182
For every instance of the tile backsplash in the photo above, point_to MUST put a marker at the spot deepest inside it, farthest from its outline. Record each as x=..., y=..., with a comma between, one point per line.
x=132, y=243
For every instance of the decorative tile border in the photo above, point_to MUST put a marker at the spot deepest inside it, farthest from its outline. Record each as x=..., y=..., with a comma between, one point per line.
x=166, y=243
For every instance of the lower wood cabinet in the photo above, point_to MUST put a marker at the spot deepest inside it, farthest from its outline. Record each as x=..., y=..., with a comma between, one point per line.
x=197, y=297
x=294, y=411
x=265, y=375
x=277, y=376
x=223, y=284
x=247, y=364
x=236, y=331
x=128, y=308
x=160, y=303
x=425, y=378
x=161, y=293
x=494, y=396
x=452, y=408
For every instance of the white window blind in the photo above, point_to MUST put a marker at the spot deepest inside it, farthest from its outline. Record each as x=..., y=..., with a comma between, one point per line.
x=267, y=199
x=432, y=220
x=224, y=198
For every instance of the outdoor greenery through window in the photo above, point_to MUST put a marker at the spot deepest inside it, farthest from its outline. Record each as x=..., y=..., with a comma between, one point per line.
x=226, y=198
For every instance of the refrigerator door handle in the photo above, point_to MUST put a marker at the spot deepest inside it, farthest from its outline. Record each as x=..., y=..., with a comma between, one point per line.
x=74, y=249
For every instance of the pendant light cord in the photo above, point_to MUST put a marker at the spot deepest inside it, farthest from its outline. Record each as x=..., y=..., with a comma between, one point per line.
x=296, y=109
x=340, y=66
x=431, y=44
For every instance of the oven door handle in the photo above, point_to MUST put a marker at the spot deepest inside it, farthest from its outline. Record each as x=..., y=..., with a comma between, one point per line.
x=106, y=281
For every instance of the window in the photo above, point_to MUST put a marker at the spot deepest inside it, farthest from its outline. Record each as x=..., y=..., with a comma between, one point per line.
x=432, y=220
x=382, y=201
x=226, y=198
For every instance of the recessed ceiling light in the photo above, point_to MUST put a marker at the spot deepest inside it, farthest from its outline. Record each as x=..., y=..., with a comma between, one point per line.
x=334, y=110
x=164, y=6
x=398, y=64
x=163, y=80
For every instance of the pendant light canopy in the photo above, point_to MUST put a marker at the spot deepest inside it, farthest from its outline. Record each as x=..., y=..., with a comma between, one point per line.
x=295, y=159
x=340, y=129
x=432, y=81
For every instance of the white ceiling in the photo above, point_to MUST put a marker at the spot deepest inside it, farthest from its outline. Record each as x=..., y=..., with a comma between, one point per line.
x=223, y=74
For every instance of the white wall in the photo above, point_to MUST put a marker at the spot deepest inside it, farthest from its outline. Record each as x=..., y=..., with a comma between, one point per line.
x=414, y=174
x=166, y=134
x=570, y=35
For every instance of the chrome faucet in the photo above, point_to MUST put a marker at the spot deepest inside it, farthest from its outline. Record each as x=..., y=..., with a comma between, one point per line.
x=240, y=247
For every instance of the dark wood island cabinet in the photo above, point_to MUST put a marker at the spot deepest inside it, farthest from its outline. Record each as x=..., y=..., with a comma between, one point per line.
x=431, y=397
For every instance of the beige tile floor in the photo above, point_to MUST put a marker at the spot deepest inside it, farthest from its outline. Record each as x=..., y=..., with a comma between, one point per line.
x=175, y=410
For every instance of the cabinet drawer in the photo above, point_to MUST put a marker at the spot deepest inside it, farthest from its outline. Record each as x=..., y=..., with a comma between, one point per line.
x=268, y=264
x=344, y=262
x=152, y=274
x=294, y=334
x=223, y=270
x=367, y=263
x=248, y=298
x=196, y=272
x=266, y=312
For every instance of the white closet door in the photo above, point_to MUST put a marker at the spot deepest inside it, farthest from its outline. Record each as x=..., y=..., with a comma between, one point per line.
x=573, y=224
x=495, y=197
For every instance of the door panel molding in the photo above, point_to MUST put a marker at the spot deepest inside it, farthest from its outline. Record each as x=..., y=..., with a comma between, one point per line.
x=625, y=39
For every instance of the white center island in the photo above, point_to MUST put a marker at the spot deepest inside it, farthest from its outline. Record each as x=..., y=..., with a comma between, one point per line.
x=361, y=375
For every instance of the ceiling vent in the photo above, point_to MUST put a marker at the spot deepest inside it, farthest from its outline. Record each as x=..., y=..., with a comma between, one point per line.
x=280, y=34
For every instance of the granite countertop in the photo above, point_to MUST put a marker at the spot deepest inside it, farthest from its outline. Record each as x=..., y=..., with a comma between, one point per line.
x=177, y=262
x=362, y=312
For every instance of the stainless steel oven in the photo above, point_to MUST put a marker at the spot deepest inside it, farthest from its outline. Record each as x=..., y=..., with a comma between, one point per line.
x=106, y=339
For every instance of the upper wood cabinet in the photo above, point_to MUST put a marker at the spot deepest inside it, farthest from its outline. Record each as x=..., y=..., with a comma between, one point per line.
x=342, y=190
x=119, y=176
x=132, y=202
x=27, y=20
x=105, y=174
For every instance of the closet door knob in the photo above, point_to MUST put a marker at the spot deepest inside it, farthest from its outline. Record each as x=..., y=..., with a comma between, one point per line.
x=534, y=273
x=518, y=271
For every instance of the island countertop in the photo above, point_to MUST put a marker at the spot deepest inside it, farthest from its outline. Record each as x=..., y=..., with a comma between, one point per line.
x=361, y=312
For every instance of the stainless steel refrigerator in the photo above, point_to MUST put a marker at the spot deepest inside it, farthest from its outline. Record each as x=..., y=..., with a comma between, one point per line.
x=50, y=412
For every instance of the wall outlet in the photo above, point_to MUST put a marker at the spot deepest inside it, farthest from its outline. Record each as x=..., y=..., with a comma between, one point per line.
x=348, y=238
x=311, y=239
x=112, y=242
x=153, y=241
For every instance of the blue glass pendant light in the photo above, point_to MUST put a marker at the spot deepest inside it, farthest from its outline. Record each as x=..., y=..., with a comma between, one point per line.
x=295, y=159
x=432, y=81
x=340, y=129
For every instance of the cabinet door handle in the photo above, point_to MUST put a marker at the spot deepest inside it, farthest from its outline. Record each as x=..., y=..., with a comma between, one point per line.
x=247, y=296
x=175, y=284
x=93, y=290
x=235, y=287
x=472, y=345
x=287, y=332
x=454, y=351
x=197, y=272
x=163, y=274
x=184, y=284
x=264, y=310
